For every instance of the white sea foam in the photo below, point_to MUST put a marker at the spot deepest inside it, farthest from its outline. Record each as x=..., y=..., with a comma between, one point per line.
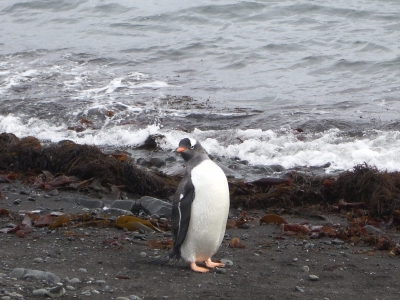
x=286, y=148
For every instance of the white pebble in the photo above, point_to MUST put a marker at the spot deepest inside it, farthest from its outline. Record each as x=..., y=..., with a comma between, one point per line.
x=313, y=277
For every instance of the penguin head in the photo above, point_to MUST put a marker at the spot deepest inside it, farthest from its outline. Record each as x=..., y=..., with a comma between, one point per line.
x=190, y=148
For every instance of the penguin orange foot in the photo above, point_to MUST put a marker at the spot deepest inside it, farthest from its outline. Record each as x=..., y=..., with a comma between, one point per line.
x=196, y=268
x=211, y=264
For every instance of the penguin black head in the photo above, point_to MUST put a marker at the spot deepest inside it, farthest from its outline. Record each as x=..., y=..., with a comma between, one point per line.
x=190, y=148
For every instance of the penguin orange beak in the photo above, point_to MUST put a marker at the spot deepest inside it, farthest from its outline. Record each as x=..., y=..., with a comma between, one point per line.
x=180, y=149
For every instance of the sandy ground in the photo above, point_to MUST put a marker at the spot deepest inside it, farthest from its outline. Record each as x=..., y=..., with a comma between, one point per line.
x=110, y=263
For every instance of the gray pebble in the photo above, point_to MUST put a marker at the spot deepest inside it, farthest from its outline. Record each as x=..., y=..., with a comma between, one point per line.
x=299, y=289
x=83, y=270
x=372, y=229
x=227, y=262
x=70, y=288
x=220, y=270
x=134, y=297
x=305, y=269
x=17, y=202
x=309, y=246
x=73, y=281
x=38, y=260
x=142, y=254
x=313, y=277
x=337, y=242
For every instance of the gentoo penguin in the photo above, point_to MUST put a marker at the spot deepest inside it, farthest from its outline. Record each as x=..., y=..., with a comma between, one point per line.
x=200, y=209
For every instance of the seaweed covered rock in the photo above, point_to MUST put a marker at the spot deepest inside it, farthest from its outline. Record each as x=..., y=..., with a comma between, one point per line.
x=378, y=190
x=83, y=161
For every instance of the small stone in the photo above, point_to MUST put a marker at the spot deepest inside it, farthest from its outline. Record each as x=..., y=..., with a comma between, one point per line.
x=17, y=202
x=372, y=229
x=337, y=242
x=56, y=292
x=142, y=254
x=53, y=192
x=83, y=270
x=244, y=226
x=313, y=277
x=299, y=289
x=70, y=288
x=100, y=282
x=31, y=199
x=309, y=246
x=220, y=270
x=73, y=281
x=39, y=292
x=227, y=262
x=129, y=205
x=305, y=269
x=23, y=192
x=134, y=297
x=295, y=259
x=38, y=260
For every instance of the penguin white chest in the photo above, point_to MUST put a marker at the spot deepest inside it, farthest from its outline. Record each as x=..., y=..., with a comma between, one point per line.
x=209, y=212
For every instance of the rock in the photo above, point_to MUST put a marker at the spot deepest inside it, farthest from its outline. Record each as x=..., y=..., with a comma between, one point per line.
x=23, y=192
x=38, y=260
x=220, y=270
x=170, y=159
x=372, y=229
x=142, y=254
x=100, y=282
x=31, y=199
x=70, y=288
x=227, y=262
x=277, y=168
x=55, y=292
x=17, y=202
x=305, y=269
x=74, y=280
x=143, y=162
x=156, y=206
x=313, y=277
x=14, y=295
x=134, y=297
x=337, y=242
x=82, y=270
x=84, y=201
x=299, y=289
x=53, y=192
x=37, y=274
x=116, y=212
x=122, y=298
x=129, y=205
x=157, y=162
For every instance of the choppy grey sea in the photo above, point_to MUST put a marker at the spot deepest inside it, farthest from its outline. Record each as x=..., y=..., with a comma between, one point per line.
x=288, y=82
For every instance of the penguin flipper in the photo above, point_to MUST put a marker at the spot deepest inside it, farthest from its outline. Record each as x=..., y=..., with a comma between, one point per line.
x=181, y=211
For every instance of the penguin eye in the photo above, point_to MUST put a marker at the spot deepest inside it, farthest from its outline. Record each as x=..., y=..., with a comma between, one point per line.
x=192, y=147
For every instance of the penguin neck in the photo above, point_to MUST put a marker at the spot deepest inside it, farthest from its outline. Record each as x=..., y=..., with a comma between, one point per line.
x=196, y=161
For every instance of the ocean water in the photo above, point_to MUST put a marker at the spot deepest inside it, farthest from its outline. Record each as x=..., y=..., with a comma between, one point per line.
x=288, y=82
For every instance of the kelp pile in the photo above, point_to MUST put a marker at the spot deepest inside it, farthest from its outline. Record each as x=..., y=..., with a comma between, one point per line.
x=378, y=190
x=363, y=187
x=84, y=161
